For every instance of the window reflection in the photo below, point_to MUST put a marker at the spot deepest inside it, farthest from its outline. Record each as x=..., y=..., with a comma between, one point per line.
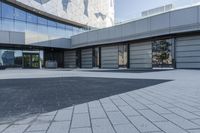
x=162, y=53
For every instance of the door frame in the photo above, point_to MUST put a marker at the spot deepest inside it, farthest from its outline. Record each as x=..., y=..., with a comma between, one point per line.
x=31, y=54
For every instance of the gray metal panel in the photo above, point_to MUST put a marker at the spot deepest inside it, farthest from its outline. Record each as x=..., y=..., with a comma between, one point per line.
x=17, y=38
x=141, y=55
x=4, y=37
x=86, y=58
x=109, y=57
x=70, y=59
x=188, y=52
x=160, y=22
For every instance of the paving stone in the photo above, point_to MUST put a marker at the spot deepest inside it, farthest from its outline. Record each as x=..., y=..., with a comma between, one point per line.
x=3, y=127
x=94, y=104
x=16, y=129
x=125, y=129
x=182, y=122
x=128, y=111
x=119, y=102
x=82, y=108
x=143, y=124
x=152, y=116
x=169, y=127
x=81, y=130
x=26, y=120
x=80, y=120
x=53, y=113
x=186, y=107
x=102, y=126
x=44, y=119
x=38, y=127
x=184, y=113
x=63, y=115
x=194, y=131
x=37, y=132
x=59, y=127
x=197, y=121
x=96, y=113
x=117, y=118
x=109, y=107
x=158, y=109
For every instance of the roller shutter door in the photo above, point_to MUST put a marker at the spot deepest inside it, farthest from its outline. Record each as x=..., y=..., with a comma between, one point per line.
x=70, y=59
x=188, y=52
x=86, y=58
x=141, y=55
x=109, y=57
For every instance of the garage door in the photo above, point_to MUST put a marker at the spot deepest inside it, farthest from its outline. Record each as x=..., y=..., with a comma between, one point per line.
x=188, y=52
x=70, y=59
x=109, y=57
x=141, y=55
x=86, y=58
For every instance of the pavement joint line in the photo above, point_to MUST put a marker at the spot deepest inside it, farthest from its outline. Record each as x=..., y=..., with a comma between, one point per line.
x=175, y=123
x=125, y=115
x=108, y=117
x=51, y=121
x=70, y=125
x=90, y=117
x=142, y=114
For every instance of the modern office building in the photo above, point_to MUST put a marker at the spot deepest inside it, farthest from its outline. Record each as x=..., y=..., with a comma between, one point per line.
x=80, y=34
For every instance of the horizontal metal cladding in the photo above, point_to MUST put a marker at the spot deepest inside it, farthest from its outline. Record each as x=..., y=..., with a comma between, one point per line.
x=70, y=59
x=176, y=21
x=140, y=55
x=188, y=52
x=109, y=57
x=86, y=58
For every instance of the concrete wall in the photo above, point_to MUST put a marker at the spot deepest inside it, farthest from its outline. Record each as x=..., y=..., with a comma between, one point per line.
x=188, y=52
x=141, y=55
x=70, y=59
x=86, y=58
x=177, y=21
x=109, y=57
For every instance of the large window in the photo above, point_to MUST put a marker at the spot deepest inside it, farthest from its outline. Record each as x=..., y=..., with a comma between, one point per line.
x=123, y=56
x=15, y=19
x=162, y=53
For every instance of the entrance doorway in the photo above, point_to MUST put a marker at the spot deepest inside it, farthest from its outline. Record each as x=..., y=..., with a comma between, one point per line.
x=123, y=56
x=31, y=60
x=96, y=57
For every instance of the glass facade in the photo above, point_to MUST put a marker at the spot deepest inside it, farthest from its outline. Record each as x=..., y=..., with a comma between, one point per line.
x=162, y=51
x=14, y=19
x=16, y=58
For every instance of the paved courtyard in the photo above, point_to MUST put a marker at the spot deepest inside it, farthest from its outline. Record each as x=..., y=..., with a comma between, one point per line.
x=165, y=107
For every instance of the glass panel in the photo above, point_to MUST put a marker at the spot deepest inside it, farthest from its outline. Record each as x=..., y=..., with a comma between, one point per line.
x=162, y=53
x=51, y=23
x=31, y=18
x=42, y=21
x=8, y=24
x=32, y=27
x=10, y=58
x=42, y=29
x=20, y=26
x=123, y=56
x=7, y=11
x=96, y=57
x=27, y=60
x=20, y=15
x=0, y=9
x=35, y=61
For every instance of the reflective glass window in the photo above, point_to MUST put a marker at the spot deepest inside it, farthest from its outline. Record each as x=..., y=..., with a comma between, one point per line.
x=31, y=18
x=31, y=27
x=51, y=23
x=42, y=21
x=7, y=11
x=42, y=29
x=20, y=26
x=8, y=24
x=62, y=26
x=20, y=15
x=0, y=8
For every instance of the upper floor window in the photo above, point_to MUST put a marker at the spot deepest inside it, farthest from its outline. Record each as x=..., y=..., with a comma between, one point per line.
x=20, y=15
x=42, y=21
x=7, y=11
x=31, y=18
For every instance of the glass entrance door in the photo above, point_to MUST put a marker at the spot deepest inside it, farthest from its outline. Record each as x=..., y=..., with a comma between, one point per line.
x=31, y=60
x=123, y=56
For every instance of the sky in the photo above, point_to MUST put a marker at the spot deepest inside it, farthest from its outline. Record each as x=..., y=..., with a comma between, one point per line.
x=131, y=9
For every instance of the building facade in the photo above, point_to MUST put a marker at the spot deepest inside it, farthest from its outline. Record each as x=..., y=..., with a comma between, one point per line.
x=35, y=33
